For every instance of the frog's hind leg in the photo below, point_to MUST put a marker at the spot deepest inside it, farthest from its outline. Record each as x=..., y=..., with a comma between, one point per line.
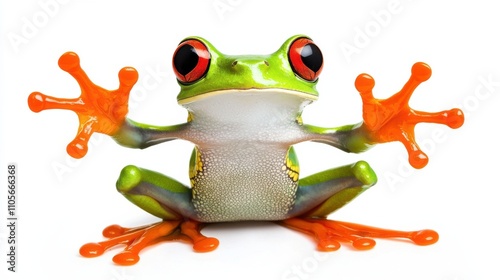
x=323, y=193
x=162, y=197
x=156, y=193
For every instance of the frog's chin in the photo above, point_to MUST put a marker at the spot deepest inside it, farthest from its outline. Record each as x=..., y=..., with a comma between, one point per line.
x=249, y=108
x=251, y=91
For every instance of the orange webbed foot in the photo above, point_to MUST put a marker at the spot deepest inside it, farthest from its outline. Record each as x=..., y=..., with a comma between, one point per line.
x=392, y=119
x=139, y=238
x=329, y=234
x=98, y=109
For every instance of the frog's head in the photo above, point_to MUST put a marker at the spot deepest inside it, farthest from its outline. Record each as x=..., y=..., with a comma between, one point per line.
x=202, y=71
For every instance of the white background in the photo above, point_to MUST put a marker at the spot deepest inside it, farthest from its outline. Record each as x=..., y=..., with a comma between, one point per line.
x=64, y=203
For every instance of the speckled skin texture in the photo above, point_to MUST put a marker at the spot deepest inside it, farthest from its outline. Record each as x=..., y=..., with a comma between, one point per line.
x=254, y=190
x=242, y=143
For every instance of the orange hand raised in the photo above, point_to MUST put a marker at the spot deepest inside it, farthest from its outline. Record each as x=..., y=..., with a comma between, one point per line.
x=392, y=119
x=98, y=109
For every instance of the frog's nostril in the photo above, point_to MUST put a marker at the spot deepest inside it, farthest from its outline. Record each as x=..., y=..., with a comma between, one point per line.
x=242, y=64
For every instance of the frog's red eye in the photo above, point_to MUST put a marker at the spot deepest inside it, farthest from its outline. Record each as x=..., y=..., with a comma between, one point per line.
x=191, y=61
x=306, y=59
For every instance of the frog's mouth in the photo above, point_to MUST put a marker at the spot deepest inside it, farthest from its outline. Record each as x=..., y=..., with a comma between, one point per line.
x=248, y=106
x=250, y=91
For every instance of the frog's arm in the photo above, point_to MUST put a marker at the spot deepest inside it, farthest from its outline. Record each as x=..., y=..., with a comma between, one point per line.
x=137, y=135
x=101, y=110
x=352, y=138
x=387, y=120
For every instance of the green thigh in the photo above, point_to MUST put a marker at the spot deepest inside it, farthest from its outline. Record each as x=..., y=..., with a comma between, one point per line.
x=322, y=193
x=157, y=194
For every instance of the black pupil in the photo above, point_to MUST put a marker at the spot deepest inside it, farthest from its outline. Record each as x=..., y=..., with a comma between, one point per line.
x=312, y=57
x=186, y=59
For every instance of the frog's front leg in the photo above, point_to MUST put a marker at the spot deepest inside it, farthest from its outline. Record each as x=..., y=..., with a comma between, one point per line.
x=386, y=120
x=103, y=111
x=163, y=197
x=321, y=194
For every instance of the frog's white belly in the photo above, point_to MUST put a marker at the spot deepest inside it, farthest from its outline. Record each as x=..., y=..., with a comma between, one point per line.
x=243, y=139
x=243, y=184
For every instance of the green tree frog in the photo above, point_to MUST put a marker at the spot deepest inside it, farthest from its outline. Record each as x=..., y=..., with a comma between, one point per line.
x=244, y=116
